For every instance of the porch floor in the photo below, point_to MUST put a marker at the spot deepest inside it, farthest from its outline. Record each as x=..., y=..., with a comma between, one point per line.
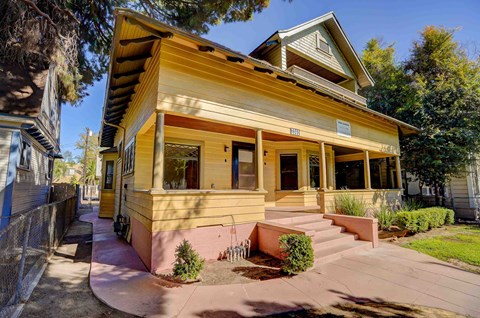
x=280, y=212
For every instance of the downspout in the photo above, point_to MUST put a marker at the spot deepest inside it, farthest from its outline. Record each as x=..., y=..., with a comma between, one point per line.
x=121, y=168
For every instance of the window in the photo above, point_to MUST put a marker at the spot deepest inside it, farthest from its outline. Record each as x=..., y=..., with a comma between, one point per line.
x=322, y=45
x=25, y=154
x=314, y=168
x=182, y=169
x=288, y=172
x=129, y=158
x=108, y=184
x=49, y=173
x=71, y=172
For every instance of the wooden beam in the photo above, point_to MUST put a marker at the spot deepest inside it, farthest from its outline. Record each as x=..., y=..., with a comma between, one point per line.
x=148, y=29
x=143, y=40
x=133, y=58
x=235, y=59
x=128, y=84
x=206, y=48
x=120, y=101
x=128, y=93
x=118, y=106
x=130, y=73
x=306, y=87
x=263, y=70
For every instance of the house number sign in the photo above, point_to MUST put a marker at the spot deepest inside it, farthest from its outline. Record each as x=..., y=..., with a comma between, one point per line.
x=295, y=131
x=343, y=128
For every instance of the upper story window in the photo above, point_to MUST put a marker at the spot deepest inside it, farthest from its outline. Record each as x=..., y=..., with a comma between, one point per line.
x=322, y=45
x=108, y=183
x=25, y=153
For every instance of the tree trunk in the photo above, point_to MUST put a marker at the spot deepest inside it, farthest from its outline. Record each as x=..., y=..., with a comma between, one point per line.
x=437, y=197
x=442, y=192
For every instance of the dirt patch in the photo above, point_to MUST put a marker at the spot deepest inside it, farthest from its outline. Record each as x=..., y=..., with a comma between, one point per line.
x=402, y=237
x=64, y=289
x=258, y=267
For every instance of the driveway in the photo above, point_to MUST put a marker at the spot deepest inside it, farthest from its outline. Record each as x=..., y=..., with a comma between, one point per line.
x=385, y=274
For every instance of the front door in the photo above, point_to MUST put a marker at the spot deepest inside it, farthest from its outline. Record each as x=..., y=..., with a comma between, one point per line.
x=243, y=166
x=288, y=172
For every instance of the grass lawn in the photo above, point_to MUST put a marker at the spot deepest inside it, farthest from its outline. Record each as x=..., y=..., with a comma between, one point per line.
x=458, y=244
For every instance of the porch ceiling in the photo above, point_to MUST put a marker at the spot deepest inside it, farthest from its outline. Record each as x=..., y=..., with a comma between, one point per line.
x=192, y=123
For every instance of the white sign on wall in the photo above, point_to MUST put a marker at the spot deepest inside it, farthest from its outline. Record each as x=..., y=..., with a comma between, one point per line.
x=295, y=131
x=343, y=128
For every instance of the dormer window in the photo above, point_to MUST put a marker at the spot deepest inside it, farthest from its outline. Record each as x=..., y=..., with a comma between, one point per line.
x=322, y=45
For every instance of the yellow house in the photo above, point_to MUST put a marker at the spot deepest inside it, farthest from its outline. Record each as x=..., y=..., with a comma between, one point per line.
x=206, y=137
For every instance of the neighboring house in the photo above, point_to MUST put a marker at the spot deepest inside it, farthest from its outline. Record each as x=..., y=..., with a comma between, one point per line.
x=462, y=193
x=208, y=138
x=74, y=172
x=29, y=137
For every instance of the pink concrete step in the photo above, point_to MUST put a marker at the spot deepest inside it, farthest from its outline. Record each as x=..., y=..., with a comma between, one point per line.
x=327, y=231
x=324, y=242
x=330, y=254
x=313, y=225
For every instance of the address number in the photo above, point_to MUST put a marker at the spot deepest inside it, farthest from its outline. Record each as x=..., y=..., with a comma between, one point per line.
x=294, y=131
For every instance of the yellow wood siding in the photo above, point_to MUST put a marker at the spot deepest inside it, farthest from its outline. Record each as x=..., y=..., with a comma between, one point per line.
x=200, y=85
x=144, y=159
x=31, y=186
x=305, y=43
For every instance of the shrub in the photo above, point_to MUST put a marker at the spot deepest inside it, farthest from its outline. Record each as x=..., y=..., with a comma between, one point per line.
x=188, y=264
x=422, y=220
x=348, y=204
x=297, y=253
x=386, y=217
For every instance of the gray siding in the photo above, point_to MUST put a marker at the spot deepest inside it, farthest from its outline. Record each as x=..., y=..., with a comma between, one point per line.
x=31, y=186
x=305, y=43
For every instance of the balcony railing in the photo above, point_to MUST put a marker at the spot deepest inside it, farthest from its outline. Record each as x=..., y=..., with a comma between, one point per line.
x=328, y=86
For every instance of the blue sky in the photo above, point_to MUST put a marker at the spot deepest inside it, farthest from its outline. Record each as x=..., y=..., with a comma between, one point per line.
x=396, y=21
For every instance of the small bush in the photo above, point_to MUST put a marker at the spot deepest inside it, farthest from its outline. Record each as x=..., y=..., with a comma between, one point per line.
x=422, y=220
x=386, y=217
x=346, y=203
x=297, y=253
x=188, y=264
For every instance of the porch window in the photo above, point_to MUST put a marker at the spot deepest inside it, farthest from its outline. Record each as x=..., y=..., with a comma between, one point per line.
x=288, y=172
x=108, y=175
x=314, y=168
x=182, y=169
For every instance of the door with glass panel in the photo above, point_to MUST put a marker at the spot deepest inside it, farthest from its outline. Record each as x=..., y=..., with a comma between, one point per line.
x=243, y=166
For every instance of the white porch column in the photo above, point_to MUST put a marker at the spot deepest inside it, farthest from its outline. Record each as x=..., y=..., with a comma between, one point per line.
x=158, y=151
x=323, y=167
x=366, y=169
x=399, y=172
x=259, y=156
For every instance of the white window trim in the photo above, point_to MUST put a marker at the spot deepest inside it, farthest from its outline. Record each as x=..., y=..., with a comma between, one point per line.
x=29, y=154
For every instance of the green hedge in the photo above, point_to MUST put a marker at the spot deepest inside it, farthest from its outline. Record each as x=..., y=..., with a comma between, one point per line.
x=422, y=220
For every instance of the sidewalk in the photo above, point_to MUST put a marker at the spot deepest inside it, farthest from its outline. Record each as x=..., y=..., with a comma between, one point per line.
x=388, y=273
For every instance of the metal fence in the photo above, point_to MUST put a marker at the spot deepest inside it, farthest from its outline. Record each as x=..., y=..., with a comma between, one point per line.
x=25, y=245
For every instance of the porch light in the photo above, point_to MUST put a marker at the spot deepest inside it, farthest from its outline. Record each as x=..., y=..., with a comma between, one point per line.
x=226, y=148
x=265, y=153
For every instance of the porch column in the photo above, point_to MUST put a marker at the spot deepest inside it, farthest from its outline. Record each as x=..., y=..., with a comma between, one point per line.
x=399, y=172
x=259, y=156
x=158, y=151
x=366, y=169
x=323, y=167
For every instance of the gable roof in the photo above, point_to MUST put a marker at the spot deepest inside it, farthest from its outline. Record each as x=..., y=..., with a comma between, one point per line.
x=330, y=22
x=133, y=27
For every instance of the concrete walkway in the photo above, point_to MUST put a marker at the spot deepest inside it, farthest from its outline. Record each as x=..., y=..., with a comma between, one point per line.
x=388, y=273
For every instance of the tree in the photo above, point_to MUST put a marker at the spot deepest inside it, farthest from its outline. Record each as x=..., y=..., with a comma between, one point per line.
x=75, y=35
x=436, y=89
x=59, y=170
x=68, y=157
x=91, y=157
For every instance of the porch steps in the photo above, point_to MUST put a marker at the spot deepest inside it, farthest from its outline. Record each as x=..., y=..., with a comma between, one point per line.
x=330, y=242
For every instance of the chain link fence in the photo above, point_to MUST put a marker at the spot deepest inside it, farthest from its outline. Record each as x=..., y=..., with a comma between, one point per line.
x=25, y=245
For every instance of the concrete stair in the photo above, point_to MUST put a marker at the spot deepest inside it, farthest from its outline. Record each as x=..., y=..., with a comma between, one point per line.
x=330, y=242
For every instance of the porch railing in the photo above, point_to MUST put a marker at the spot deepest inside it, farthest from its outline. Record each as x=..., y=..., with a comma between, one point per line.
x=25, y=246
